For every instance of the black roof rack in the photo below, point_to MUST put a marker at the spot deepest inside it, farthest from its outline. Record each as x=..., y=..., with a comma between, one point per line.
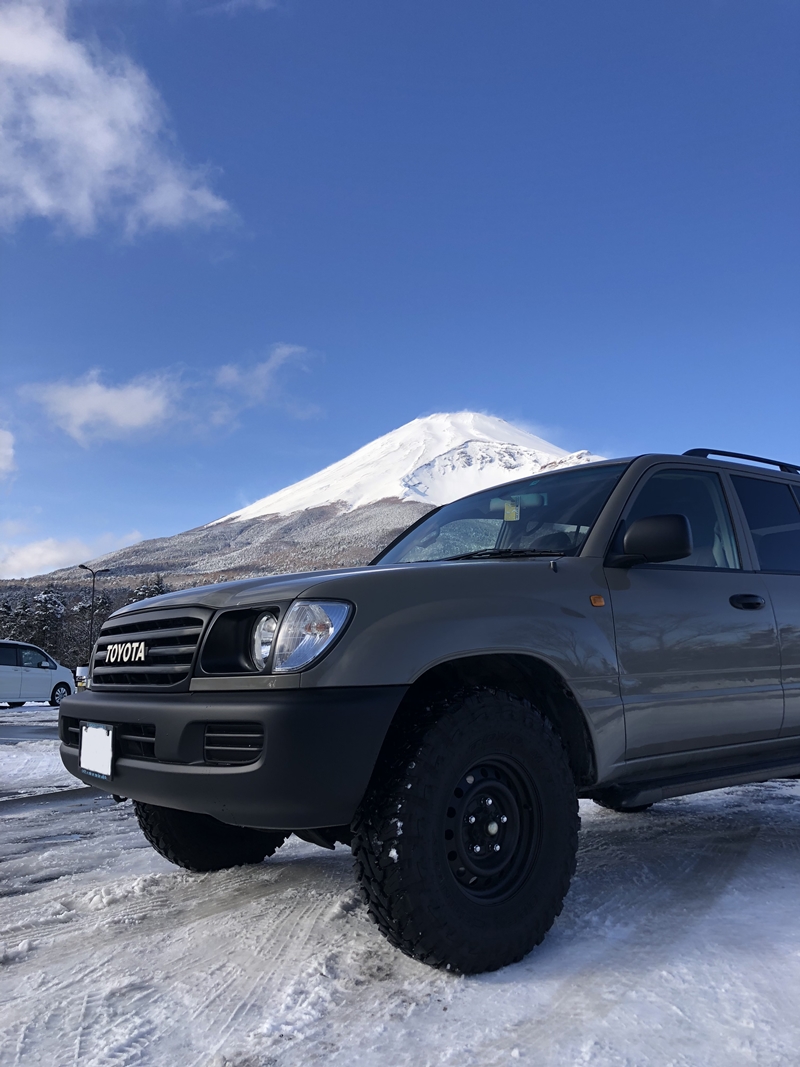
x=788, y=468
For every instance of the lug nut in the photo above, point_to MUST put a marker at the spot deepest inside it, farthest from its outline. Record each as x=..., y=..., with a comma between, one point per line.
x=471, y=819
x=497, y=848
x=476, y=848
x=488, y=802
x=503, y=818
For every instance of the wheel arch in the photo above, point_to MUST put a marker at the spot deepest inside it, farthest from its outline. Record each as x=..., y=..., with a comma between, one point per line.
x=526, y=676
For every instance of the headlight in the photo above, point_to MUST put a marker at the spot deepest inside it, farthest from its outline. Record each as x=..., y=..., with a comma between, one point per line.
x=306, y=631
x=263, y=636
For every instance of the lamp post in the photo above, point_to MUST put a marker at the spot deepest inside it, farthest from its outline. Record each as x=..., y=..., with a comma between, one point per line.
x=103, y=570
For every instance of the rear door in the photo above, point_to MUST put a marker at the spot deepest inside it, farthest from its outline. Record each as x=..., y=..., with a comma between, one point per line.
x=771, y=509
x=696, y=639
x=9, y=673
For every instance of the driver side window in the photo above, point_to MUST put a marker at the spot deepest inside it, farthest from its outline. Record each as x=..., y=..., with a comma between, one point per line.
x=697, y=495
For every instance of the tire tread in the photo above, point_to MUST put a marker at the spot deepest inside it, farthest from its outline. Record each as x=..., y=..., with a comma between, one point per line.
x=384, y=885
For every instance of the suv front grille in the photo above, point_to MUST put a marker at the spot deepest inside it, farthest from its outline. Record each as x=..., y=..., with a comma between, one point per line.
x=154, y=649
x=228, y=743
x=135, y=740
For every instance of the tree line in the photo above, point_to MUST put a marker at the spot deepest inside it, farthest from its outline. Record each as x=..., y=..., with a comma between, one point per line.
x=59, y=621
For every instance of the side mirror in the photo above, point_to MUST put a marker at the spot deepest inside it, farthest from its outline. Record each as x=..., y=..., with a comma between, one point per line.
x=45, y=664
x=656, y=539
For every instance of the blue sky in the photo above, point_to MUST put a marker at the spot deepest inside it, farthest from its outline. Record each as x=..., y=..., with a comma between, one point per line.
x=242, y=239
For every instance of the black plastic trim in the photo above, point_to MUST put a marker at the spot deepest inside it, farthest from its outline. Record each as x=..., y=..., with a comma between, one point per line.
x=704, y=453
x=320, y=748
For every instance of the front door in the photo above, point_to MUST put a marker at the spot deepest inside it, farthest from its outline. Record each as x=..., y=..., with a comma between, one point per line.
x=696, y=639
x=9, y=673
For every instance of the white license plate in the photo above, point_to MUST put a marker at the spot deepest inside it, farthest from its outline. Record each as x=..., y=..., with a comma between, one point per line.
x=97, y=749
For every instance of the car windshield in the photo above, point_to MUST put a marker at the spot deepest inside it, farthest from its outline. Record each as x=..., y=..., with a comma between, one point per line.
x=550, y=515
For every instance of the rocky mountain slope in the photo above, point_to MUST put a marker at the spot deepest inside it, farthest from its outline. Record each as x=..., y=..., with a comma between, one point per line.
x=347, y=512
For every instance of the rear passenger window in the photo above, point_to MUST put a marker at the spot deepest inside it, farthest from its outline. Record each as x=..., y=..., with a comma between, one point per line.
x=774, y=520
x=8, y=656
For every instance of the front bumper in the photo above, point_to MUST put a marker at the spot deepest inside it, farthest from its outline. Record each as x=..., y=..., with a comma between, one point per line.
x=320, y=747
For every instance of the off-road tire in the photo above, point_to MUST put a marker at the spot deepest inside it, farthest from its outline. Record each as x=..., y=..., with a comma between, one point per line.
x=63, y=689
x=411, y=839
x=611, y=805
x=202, y=843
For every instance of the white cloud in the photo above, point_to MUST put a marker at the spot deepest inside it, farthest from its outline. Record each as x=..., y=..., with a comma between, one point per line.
x=7, y=464
x=231, y=7
x=49, y=554
x=13, y=528
x=249, y=386
x=84, y=134
x=257, y=381
x=89, y=409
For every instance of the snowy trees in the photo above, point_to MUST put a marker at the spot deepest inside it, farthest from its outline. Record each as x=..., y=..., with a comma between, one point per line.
x=39, y=620
x=152, y=586
x=58, y=618
x=47, y=617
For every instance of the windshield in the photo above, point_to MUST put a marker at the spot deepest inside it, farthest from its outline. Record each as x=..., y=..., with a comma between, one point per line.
x=548, y=515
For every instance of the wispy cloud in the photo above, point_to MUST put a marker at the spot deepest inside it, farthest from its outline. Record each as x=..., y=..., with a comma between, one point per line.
x=84, y=135
x=49, y=554
x=258, y=378
x=239, y=386
x=233, y=7
x=91, y=410
x=7, y=464
x=88, y=409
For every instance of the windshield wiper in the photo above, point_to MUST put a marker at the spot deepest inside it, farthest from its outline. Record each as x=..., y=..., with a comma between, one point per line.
x=502, y=553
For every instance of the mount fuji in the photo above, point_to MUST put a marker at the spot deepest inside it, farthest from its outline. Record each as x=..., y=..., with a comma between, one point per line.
x=432, y=460
x=343, y=515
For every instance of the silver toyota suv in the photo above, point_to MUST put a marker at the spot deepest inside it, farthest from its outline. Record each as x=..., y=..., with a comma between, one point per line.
x=624, y=631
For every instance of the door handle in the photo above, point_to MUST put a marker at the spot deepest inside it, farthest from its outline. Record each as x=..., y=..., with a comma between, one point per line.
x=747, y=601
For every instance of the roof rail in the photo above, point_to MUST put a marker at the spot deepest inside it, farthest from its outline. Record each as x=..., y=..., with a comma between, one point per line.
x=788, y=468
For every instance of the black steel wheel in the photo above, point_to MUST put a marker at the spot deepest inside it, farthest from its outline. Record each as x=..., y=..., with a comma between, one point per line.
x=465, y=845
x=493, y=829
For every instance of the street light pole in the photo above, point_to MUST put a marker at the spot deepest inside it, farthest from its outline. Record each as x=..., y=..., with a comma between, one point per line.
x=103, y=570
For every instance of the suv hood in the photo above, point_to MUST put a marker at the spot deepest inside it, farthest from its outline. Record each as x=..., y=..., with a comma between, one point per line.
x=241, y=593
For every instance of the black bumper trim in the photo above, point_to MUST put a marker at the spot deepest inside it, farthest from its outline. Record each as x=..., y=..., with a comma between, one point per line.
x=320, y=747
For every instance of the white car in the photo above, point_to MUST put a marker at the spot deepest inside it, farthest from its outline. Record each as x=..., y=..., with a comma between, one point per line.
x=28, y=673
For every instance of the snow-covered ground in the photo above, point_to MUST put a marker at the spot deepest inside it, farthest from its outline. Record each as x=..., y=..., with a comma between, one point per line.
x=679, y=945
x=35, y=768
x=29, y=760
x=33, y=712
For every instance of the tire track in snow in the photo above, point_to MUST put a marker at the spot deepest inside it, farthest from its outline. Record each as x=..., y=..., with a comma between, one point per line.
x=614, y=968
x=277, y=965
x=249, y=914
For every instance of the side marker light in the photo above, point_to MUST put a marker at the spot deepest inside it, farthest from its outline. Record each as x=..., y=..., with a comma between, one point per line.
x=597, y=601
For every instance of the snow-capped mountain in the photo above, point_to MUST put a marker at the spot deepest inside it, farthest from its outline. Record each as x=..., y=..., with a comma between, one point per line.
x=431, y=460
x=345, y=514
